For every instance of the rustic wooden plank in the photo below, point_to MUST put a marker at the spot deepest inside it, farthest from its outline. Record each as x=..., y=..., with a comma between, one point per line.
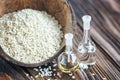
x=7, y=67
x=105, y=33
x=102, y=31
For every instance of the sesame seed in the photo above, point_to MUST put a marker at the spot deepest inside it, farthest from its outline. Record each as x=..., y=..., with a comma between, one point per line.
x=27, y=74
x=70, y=74
x=54, y=65
x=35, y=69
x=32, y=77
x=58, y=74
x=54, y=69
x=36, y=76
x=39, y=67
x=73, y=77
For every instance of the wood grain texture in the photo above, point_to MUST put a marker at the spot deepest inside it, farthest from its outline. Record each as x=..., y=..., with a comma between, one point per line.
x=105, y=33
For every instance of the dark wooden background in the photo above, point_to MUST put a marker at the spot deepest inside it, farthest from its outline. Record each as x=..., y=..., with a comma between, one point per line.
x=105, y=33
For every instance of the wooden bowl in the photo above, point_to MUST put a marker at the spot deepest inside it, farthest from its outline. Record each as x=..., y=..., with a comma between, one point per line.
x=57, y=8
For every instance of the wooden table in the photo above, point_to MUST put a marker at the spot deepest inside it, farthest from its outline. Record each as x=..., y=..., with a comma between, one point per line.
x=105, y=33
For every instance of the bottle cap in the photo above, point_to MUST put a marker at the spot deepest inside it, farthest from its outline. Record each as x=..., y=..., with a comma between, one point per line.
x=86, y=21
x=69, y=37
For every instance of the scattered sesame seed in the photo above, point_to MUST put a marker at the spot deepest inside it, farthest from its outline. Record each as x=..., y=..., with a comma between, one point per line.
x=39, y=67
x=54, y=69
x=36, y=76
x=32, y=77
x=73, y=77
x=54, y=65
x=27, y=74
x=49, y=67
x=42, y=75
x=93, y=74
x=39, y=73
x=35, y=69
x=104, y=78
x=58, y=74
x=54, y=74
x=70, y=74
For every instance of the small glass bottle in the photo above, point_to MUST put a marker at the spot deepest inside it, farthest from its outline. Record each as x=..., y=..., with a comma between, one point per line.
x=67, y=61
x=87, y=47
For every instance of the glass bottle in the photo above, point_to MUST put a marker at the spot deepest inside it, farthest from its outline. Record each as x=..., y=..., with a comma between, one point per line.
x=87, y=47
x=67, y=61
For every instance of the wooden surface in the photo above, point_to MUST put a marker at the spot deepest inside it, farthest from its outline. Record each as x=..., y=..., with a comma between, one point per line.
x=105, y=33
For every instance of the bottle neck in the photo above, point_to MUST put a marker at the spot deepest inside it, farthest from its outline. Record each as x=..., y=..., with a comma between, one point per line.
x=86, y=36
x=68, y=51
